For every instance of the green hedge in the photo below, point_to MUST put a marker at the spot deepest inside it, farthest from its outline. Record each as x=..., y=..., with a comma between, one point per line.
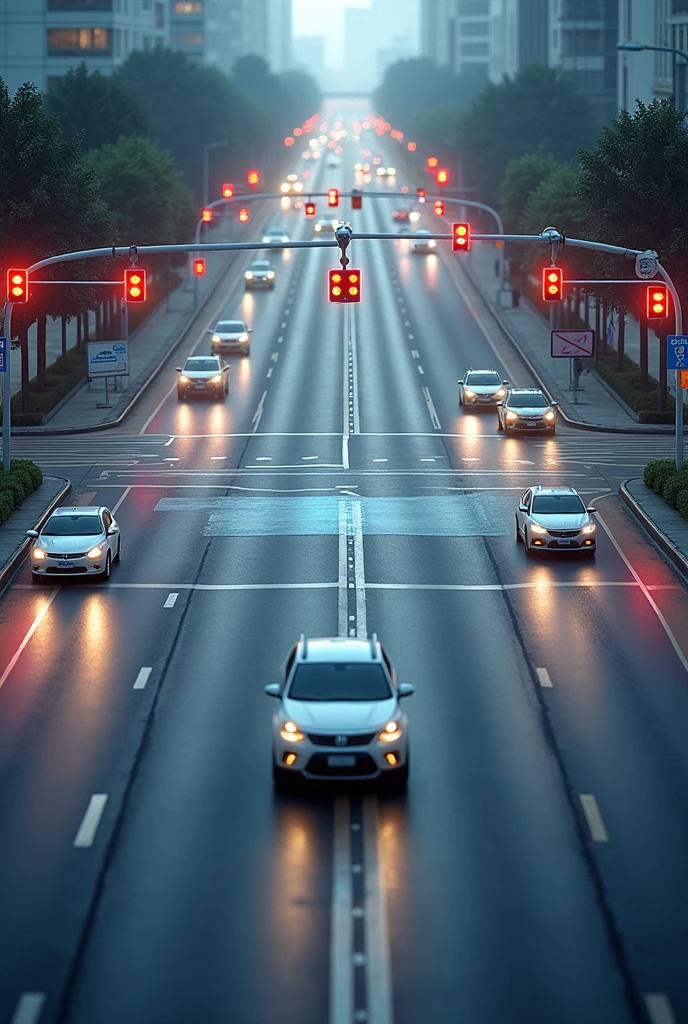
x=626, y=383
x=664, y=479
x=16, y=484
x=60, y=377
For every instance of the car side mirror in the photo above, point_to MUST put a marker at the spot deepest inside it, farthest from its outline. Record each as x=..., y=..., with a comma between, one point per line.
x=500, y=403
x=591, y=509
x=554, y=404
x=112, y=530
x=522, y=507
x=178, y=369
x=273, y=690
x=405, y=689
x=505, y=382
x=32, y=533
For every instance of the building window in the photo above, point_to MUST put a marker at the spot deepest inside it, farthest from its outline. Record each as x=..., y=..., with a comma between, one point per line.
x=475, y=28
x=66, y=42
x=187, y=39
x=159, y=15
x=188, y=7
x=475, y=49
x=80, y=5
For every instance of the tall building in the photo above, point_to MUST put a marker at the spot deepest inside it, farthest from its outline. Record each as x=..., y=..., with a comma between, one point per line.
x=437, y=30
x=471, y=39
x=518, y=36
x=280, y=35
x=209, y=33
x=582, y=40
x=42, y=39
x=360, y=48
x=254, y=28
x=309, y=55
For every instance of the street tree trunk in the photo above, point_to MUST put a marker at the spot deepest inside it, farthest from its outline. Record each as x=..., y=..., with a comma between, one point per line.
x=644, y=379
x=40, y=353
x=63, y=334
x=662, y=390
x=621, y=343
x=24, y=348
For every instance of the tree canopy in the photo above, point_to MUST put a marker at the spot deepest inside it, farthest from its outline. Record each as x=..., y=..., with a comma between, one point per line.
x=521, y=178
x=414, y=88
x=99, y=107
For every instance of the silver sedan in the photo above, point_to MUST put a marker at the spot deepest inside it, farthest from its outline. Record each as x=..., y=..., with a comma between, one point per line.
x=75, y=542
x=555, y=519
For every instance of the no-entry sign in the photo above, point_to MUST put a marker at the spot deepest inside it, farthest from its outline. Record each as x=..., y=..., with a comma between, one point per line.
x=572, y=344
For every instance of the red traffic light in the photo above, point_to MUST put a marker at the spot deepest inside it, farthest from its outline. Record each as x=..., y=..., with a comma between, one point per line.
x=432, y=161
x=227, y=190
x=206, y=215
x=442, y=177
x=134, y=285
x=253, y=177
x=461, y=237
x=439, y=208
x=333, y=197
x=356, y=200
x=310, y=209
x=552, y=284
x=199, y=268
x=17, y=285
x=421, y=193
x=657, y=302
x=243, y=215
x=344, y=285
x=411, y=146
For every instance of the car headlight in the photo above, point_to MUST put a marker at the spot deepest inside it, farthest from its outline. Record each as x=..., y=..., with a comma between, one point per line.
x=535, y=528
x=432, y=243
x=468, y=393
x=183, y=379
x=390, y=733
x=243, y=337
x=392, y=171
x=271, y=274
x=217, y=379
x=512, y=416
x=290, y=732
x=549, y=415
x=38, y=553
x=298, y=186
x=95, y=552
x=284, y=187
x=500, y=393
x=215, y=337
x=588, y=528
x=318, y=227
x=248, y=275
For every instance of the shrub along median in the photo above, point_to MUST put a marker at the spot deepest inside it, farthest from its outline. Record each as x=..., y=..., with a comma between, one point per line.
x=16, y=484
x=670, y=483
x=60, y=377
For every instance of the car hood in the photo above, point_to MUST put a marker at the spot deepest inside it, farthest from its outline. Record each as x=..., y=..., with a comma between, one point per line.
x=69, y=545
x=340, y=716
x=200, y=374
x=258, y=273
x=229, y=335
x=562, y=522
x=482, y=389
x=528, y=410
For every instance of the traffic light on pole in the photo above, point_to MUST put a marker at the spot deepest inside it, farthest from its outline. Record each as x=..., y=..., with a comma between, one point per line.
x=657, y=302
x=461, y=237
x=17, y=285
x=439, y=208
x=356, y=200
x=227, y=190
x=432, y=161
x=552, y=284
x=199, y=268
x=345, y=285
x=310, y=209
x=134, y=284
x=442, y=176
x=420, y=192
x=333, y=197
x=243, y=215
x=254, y=177
x=206, y=215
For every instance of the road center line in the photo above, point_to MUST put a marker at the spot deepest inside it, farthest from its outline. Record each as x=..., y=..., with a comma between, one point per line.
x=170, y=601
x=116, y=506
x=357, y=530
x=543, y=677
x=28, y=1008
x=89, y=824
x=343, y=597
x=142, y=678
x=594, y=818
x=341, y=920
x=29, y=633
x=378, y=971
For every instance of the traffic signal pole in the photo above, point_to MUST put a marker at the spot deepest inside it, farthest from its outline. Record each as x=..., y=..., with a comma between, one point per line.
x=7, y=392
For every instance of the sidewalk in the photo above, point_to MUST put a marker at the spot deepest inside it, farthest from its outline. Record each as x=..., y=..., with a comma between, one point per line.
x=665, y=526
x=14, y=544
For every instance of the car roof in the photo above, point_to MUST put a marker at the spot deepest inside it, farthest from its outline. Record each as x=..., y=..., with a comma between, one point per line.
x=70, y=510
x=210, y=355
x=473, y=369
x=339, y=649
x=259, y=263
x=563, y=489
x=241, y=322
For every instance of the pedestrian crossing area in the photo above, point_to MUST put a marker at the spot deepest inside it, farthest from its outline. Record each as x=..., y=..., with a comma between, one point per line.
x=631, y=450
x=90, y=449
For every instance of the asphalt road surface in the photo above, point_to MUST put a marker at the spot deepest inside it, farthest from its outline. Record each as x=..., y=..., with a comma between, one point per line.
x=534, y=871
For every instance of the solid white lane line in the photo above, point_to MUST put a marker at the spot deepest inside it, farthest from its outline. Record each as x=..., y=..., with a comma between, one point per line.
x=491, y=586
x=40, y=615
x=594, y=818
x=659, y=1008
x=142, y=678
x=357, y=531
x=91, y=819
x=29, y=1008
x=354, y=365
x=258, y=414
x=343, y=597
x=116, y=506
x=543, y=677
x=380, y=460
x=378, y=961
x=170, y=601
x=341, y=919
x=157, y=409
x=434, y=418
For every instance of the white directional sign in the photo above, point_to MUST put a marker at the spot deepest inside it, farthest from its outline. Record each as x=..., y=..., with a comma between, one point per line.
x=572, y=344
x=108, y=359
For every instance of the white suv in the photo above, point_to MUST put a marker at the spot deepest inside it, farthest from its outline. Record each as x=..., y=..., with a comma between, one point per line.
x=339, y=715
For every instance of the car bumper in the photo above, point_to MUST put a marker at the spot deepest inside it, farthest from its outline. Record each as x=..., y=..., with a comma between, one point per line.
x=481, y=400
x=200, y=389
x=224, y=346
x=50, y=568
x=579, y=543
x=529, y=425
x=316, y=762
x=260, y=282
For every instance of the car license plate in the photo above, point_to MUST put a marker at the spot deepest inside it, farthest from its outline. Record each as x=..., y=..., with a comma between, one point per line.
x=561, y=541
x=200, y=386
x=531, y=424
x=341, y=761
x=63, y=563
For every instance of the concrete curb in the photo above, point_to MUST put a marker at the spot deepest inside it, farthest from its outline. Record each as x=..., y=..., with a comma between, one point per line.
x=650, y=527
x=10, y=567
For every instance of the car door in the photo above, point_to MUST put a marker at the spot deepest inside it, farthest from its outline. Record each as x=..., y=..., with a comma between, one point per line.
x=225, y=372
x=462, y=384
x=522, y=517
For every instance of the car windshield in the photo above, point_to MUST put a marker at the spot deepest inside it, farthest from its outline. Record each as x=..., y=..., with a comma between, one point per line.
x=201, y=363
x=354, y=681
x=483, y=380
x=558, y=504
x=531, y=401
x=78, y=525
x=260, y=265
x=230, y=327
x=274, y=231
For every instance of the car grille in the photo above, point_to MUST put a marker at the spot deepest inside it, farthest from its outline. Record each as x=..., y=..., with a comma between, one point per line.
x=56, y=570
x=329, y=739
x=58, y=554
x=364, y=766
x=563, y=533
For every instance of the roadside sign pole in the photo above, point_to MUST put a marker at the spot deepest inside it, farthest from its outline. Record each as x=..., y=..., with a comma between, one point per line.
x=7, y=392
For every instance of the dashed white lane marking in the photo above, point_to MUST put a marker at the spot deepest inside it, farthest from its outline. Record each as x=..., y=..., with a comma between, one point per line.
x=379, y=968
x=217, y=458
x=407, y=323
x=29, y=1008
x=168, y=443
x=380, y=460
x=264, y=458
x=420, y=369
x=269, y=373
x=91, y=819
x=415, y=354
x=341, y=927
x=284, y=325
x=543, y=677
x=427, y=460
x=470, y=459
x=359, y=570
x=659, y=1008
x=142, y=678
x=170, y=600
x=410, y=337
x=286, y=312
x=594, y=818
x=29, y=633
x=274, y=356
x=170, y=460
x=306, y=458
x=280, y=339
x=258, y=414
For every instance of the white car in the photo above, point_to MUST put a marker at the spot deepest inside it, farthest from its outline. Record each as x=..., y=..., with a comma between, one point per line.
x=333, y=161
x=259, y=274
x=481, y=387
x=230, y=334
x=526, y=409
x=75, y=542
x=275, y=235
x=203, y=375
x=423, y=245
x=555, y=519
x=326, y=224
x=339, y=715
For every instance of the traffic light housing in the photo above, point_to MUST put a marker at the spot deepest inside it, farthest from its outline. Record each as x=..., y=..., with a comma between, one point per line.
x=552, y=284
x=253, y=177
x=356, y=201
x=243, y=215
x=657, y=302
x=461, y=237
x=344, y=285
x=432, y=161
x=442, y=176
x=420, y=192
x=333, y=197
x=439, y=208
x=134, y=284
x=17, y=285
x=206, y=215
x=199, y=268
x=227, y=190
x=310, y=209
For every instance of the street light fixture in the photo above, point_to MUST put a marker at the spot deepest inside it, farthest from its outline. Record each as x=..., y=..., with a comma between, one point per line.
x=679, y=75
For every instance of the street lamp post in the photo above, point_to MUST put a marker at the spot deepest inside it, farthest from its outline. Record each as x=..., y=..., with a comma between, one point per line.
x=206, y=164
x=679, y=77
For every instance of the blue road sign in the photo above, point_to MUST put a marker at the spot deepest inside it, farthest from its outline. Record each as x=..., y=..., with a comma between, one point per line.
x=677, y=352
x=3, y=355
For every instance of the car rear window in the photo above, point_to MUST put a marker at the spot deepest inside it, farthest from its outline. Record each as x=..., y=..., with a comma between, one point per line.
x=354, y=681
x=202, y=363
x=558, y=504
x=230, y=326
x=483, y=380
x=77, y=525
x=528, y=401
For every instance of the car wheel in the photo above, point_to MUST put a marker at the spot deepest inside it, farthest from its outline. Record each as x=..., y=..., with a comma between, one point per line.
x=460, y=398
x=519, y=538
x=246, y=351
x=283, y=780
x=118, y=556
x=499, y=424
x=552, y=431
x=506, y=429
x=105, y=574
x=37, y=580
x=529, y=551
x=181, y=396
x=227, y=388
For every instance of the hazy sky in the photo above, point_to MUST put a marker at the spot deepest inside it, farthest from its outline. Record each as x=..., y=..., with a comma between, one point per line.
x=324, y=18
